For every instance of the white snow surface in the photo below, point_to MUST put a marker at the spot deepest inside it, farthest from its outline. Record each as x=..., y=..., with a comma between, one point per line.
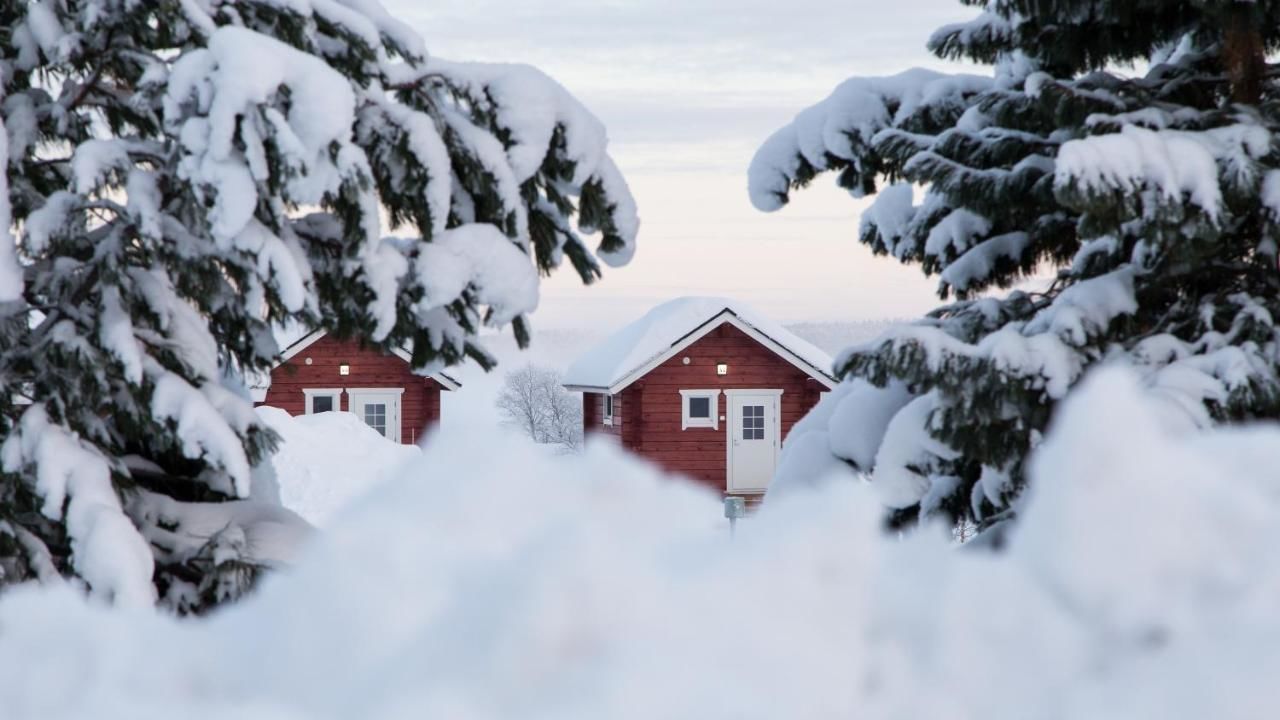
x=75, y=482
x=481, y=257
x=269, y=534
x=978, y=262
x=328, y=459
x=1170, y=162
x=204, y=430
x=890, y=214
x=848, y=425
x=500, y=582
x=239, y=72
x=628, y=349
x=532, y=105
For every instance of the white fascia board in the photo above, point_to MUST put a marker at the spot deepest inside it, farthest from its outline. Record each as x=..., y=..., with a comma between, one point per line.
x=726, y=316
x=448, y=383
x=298, y=346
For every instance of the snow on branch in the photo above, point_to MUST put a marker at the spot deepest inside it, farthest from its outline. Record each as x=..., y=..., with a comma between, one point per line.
x=226, y=84
x=547, y=130
x=480, y=258
x=838, y=131
x=1169, y=162
x=74, y=481
x=11, y=280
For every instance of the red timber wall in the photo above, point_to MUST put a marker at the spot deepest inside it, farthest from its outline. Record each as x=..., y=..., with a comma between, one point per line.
x=647, y=413
x=593, y=415
x=419, y=406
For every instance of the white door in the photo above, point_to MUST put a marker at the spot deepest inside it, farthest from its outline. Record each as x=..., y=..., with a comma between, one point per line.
x=753, y=438
x=380, y=410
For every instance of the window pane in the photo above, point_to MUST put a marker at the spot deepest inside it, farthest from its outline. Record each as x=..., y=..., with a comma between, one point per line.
x=375, y=415
x=699, y=407
x=752, y=422
x=321, y=403
x=608, y=405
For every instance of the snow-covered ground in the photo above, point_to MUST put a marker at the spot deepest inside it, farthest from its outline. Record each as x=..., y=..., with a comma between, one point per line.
x=490, y=580
x=326, y=460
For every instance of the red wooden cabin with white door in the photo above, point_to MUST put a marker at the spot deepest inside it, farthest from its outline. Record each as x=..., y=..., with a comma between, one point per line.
x=705, y=387
x=320, y=373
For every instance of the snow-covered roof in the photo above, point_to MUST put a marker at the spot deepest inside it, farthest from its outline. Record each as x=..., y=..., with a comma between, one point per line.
x=672, y=326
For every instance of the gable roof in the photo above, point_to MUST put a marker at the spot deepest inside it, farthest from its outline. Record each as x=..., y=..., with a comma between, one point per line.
x=306, y=341
x=664, y=331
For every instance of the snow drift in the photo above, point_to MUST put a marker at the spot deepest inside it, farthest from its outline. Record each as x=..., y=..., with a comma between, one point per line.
x=326, y=460
x=498, y=582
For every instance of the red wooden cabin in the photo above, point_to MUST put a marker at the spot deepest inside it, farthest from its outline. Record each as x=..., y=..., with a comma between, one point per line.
x=319, y=373
x=705, y=387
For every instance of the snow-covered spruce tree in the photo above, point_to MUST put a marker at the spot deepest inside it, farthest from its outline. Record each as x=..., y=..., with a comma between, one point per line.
x=1127, y=148
x=181, y=177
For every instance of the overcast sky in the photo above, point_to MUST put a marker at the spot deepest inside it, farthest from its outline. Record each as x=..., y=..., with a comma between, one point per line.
x=688, y=89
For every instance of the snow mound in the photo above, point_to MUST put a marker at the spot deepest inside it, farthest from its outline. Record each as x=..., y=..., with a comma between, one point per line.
x=630, y=348
x=494, y=581
x=327, y=459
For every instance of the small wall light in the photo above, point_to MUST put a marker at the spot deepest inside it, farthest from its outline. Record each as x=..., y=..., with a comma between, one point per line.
x=722, y=369
x=344, y=369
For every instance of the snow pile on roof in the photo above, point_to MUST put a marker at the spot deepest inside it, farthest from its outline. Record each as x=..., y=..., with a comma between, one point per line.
x=327, y=459
x=499, y=582
x=645, y=339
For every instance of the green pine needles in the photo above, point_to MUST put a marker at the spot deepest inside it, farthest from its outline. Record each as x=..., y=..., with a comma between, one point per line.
x=1125, y=149
x=183, y=179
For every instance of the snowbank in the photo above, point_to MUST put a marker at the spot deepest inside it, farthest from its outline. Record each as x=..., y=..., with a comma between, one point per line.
x=326, y=460
x=512, y=584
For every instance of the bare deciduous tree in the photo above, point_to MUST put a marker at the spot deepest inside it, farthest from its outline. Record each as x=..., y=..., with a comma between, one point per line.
x=534, y=400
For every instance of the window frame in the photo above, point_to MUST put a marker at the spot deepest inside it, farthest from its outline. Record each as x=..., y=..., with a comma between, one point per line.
x=687, y=421
x=606, y=408
x=310, y=394
x=385, y=415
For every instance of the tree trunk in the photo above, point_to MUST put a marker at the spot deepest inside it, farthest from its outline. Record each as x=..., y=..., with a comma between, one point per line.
x=1243, y=54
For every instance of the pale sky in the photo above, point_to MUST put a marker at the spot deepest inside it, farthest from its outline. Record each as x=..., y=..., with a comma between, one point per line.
x=688, y=90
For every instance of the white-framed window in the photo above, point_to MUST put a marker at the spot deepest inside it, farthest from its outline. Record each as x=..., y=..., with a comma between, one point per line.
x=608, y=409
x=700, y=409
x=323, y=399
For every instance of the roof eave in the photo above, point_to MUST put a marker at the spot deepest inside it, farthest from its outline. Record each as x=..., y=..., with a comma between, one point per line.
x=446, y=381
x=724, y=316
